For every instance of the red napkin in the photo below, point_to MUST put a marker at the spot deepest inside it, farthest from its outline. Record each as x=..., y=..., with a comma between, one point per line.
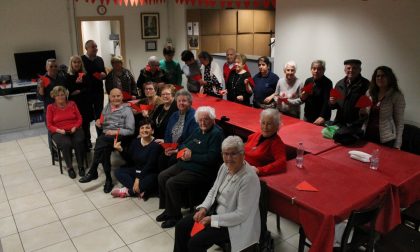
x=178, y=87
x=97, y=75
x=222, y=92
x=146, y=107
x=180, y=153
x=336, y=94
x=126, y=96
x=305, y=186
x=308, y=88
x=135, y=106
x=81, y=75
x=116, y=136
x=101, y=119
x=197, y=77
x=281, y=99
x=45, y=80
x=363, y=102
x=169, y=145
x=196, y=228
x=201, y=95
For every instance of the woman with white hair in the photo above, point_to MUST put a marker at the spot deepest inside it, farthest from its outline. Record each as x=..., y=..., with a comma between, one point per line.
x=288, y=91
x=264, y=149
x=230, y=212
x=152, y=73
x=196, y=168
x=121, y=78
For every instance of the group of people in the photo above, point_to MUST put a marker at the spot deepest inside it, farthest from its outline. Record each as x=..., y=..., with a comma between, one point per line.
x=172, y=150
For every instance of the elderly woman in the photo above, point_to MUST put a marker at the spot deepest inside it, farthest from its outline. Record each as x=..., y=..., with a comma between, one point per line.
x=139, y=175
x=164, y=111
x=170, y=66
x=230, y=212
x=198, y=158
x=265, y=150
x=238, y=87
x=77, y=84
x=121, y=78
x=151, y=99
x=212, y=75
x=265, y=84
x=288, y=90
x=317, y=95
x=151, y=73
x=63, y=122
x=117, y=123
x=386, y=118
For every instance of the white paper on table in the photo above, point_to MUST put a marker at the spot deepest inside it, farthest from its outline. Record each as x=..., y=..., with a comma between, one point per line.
x=360, y=155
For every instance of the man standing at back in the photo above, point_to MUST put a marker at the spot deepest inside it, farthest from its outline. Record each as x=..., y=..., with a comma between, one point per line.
x=350, y=89
x=95, y=70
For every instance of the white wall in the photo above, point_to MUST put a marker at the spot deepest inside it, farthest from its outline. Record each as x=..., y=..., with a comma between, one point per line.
x=378, y=32
x=99, y=31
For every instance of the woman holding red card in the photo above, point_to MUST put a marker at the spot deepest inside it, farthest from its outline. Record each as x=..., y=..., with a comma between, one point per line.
x=145, y=107
x=386, y=117
x=121, y=78
x=163, y=111
x=238, y=87
x=78, y=87
x=63, y=122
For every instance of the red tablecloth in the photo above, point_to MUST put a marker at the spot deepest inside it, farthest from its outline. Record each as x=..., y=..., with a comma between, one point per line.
x=308, y=133
x=340, y=192
x=400, y=168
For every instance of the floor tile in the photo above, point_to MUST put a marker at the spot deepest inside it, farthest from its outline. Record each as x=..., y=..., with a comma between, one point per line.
x=35, y=218
x=73, y=207
x=34, y=154
x=8, y=145
x=57, y=181
x=65, y=246
x=101, y=240
x=18, y=178
x=84, y=223
x=122, y=249
x=3, y=197
x=8, y=158
x=101, y=199
x=93, y=186
x=48, y=171
x=5, y=209
x=18, y=191
x=18, y=166
x=29, y=202
x=287, y=227
x=152, y=204
x=7, y=226
x=43, y=236
x=121, y=211
x=137, y=229
x=158, y=243
x=11, y=243
x=283, y=246
x=171, y=232
x=29, y=140
x=41, y=162
x=64, y=193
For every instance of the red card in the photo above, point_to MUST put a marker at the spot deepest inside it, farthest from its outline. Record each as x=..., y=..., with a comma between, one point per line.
x=116, y=136
x=101, y=119
x=305, y=186
x=135, y=106
x=308, y=88
x=146, y=107
x=81, y=75
x=197, y=77
x=169, y=145
x=363, y=102
x=181, y=153
x=196, y=228
x=178, y=87
x=201, y=95
x=336, y=94
x=282, y=99
x=222, y=92
x=97, y=75
x=126, y=96
x=45, y=80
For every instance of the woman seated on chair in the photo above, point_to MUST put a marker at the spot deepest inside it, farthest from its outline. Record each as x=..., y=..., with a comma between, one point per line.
x=164, y=111
x=230, y=212
x=265, y=150
x=64, y=123
x=139, y=174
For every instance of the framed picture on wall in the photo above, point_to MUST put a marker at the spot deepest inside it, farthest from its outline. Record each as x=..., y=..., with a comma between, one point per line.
x=151, y=45
x=150, y=26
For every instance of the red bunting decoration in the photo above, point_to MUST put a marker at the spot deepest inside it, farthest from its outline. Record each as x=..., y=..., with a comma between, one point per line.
x=266, y=3
x=247, y=3
x=229, y=4
x=238, y=3
x=222, y=4
x=256, y=3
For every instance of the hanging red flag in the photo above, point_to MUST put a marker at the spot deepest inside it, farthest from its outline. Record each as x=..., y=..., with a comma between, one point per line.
x=238, y=4
x=141, y=2
x=273, y=2
x=102, y=1
x=212, y=3
x=107, y=2
x=256, y=3
x=222, y=4
x=266, y=3
x=229, y=4
x=247, y=3
x=93, y=1
x=126, y=2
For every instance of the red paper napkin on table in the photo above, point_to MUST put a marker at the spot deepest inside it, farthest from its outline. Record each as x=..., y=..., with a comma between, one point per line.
x=101, y=119
x=97, y=75
x=169, y=145
x=45, y=80
x=305, y=186
x=201, y=95
x=181, y=153
x=363, y=102
x=197, y=227
x=336, y=94
x=126, y=96
x=196, y=77
x=308, y=88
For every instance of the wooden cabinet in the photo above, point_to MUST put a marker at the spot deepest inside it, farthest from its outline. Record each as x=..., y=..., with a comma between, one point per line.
x=210, y=43
x=210, y=22
x=227, y=41
x=245, y=21
x=260, y=46
x=228, y=22
x=245, y=44
x=263, y=21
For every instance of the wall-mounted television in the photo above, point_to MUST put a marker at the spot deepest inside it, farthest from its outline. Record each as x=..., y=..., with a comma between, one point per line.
x=31, y=64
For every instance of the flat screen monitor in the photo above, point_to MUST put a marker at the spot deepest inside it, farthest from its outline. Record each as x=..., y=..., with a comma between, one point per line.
x=31, y=64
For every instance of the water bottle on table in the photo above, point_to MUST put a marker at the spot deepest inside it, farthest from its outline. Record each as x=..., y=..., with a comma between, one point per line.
x=374, y=160
x=299, y=155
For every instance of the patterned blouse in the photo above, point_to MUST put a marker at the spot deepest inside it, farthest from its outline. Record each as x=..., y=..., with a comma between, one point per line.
x=213, y=86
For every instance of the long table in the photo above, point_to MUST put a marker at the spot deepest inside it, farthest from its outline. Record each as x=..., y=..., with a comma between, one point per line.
x=340, y=192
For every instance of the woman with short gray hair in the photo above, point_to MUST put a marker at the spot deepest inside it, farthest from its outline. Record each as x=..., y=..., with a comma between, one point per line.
x=152, y=73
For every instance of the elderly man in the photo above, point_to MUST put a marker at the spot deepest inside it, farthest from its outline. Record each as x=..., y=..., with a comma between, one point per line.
x=117, y=123
x=151, y=73
x=198, y=160
x=350, y=88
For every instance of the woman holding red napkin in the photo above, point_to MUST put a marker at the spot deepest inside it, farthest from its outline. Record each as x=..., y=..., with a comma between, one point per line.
x=316, y=95
x=386, y=117
x=230, y=212
x=78, y=87
x=145, y=107
x=121, y=78
x=163, y=111
x=151, y=73
x=63, y=122
x=238, y=87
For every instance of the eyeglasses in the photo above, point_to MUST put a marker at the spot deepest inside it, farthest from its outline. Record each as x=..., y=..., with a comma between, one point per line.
x=230, y=154
x=165, y=94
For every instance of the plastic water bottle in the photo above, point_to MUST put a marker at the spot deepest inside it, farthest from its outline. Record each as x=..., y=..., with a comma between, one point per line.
x=299, y=155
x=374, y=160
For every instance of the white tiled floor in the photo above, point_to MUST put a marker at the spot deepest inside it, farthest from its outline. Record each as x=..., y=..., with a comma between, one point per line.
x=42, y=210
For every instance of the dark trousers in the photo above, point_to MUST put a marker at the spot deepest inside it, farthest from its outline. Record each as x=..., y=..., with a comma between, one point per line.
x=67, y=143
x=174, y=186
x=86, y=131
x=164, y=161
x=127, y=176
x=102, y=154
x=97, y=97
x=200, y=241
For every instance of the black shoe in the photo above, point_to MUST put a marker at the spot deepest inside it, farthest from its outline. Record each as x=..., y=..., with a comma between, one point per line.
x=169, y=223
x=162, y=217
x=81, y=171
x=71, y=172
x=108, y=186
x=91, y=175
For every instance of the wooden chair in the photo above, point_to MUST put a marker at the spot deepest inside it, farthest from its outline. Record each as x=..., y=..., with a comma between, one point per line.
x=56, y=150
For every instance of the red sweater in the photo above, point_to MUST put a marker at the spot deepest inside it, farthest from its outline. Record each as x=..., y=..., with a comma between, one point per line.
x=269, y=156
x=63, y=118
x=227, y=70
